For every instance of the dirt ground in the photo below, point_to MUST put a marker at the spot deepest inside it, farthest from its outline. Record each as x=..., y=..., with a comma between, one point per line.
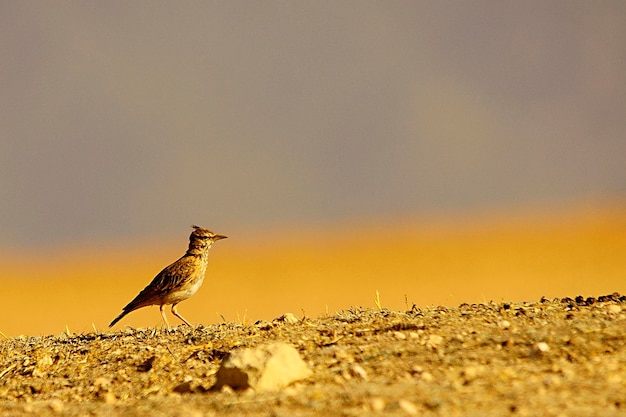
x=549, y=357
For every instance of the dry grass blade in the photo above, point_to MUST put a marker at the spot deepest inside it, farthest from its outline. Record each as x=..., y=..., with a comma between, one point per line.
x=377, y=301
x=6, y=371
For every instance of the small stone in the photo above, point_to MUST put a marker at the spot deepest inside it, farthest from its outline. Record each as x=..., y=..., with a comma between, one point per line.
x=288, y=318
x=408, y=407
x=504, y=324
x=470, y=373
x=42, y=365
x=399, y=335
x=45, y=361
x=227, y=389
x=101, y=382
x=434, y=341
x=358, y=371
x=56, y=405
x=377, y=404
x=338, y=379
x=109, y=398
x=427, y=376
x=406, y=376
x=416, y=369
x=542, y=347
x=265, y=368
x=614, y=309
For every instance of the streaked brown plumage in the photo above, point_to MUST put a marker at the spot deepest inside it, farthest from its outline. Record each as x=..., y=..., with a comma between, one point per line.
x=178, y=281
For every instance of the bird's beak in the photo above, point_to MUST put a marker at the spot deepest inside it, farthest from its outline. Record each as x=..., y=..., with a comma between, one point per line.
x=218, y=237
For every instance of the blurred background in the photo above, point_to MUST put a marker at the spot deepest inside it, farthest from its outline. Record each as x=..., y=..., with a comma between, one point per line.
x=438, y=152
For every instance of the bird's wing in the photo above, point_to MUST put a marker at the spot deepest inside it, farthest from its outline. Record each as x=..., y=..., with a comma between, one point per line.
x=173, y=276
x=168, y=280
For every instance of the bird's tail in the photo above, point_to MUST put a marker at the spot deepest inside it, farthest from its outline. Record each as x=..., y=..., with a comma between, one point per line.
x=118, y=318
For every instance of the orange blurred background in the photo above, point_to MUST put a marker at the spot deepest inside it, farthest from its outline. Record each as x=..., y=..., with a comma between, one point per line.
x=427, y=261
x=320, y=137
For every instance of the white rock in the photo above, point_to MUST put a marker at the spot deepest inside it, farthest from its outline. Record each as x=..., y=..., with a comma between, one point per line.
x=427, y=376
x=614, y=309
x=264, y=368
x=377, y=404
x=288, y=318
x=542, y=347
x=109, y=398
x=358, y=371
x=101, y=382
x=434, y=340
x=399, y=335
x=505, y=324
x=408, y=407
x=56, y=405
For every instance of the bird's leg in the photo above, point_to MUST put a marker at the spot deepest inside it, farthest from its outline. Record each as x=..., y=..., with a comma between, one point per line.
x=167, y=324
x=174, y=312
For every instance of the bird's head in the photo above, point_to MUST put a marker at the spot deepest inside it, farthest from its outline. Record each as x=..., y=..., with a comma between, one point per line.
x=201, y=239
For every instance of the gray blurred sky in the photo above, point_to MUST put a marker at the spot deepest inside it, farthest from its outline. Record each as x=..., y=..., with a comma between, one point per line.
x=125, y=119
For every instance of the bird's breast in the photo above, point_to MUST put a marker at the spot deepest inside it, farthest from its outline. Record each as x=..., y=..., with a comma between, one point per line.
x=185, y=291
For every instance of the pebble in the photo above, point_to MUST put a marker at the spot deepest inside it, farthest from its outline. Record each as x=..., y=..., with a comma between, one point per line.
x=377, y=404
x=504, y=324
x=399, y=335
x=101, y=382
x=434, y=341
x=56, y=405
x=427, y=376
x=288, y=318
x=542, y=347
x=614, y=309
x=408, y=407
x=109, y=398
x=470, y=372
x=357, y=370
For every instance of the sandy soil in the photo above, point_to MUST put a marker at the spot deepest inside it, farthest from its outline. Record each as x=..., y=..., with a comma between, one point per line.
x=549, y=357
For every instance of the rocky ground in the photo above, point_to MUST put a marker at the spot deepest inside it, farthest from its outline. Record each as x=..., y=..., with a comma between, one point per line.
x=549, y=357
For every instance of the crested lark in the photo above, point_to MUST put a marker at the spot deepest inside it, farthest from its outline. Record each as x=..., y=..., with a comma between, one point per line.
x=178, y=281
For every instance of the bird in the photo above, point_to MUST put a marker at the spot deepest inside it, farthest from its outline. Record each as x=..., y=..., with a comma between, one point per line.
x=177, y=281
